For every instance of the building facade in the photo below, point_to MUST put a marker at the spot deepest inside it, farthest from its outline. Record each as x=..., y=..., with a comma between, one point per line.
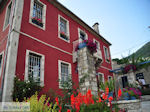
x=38, y=38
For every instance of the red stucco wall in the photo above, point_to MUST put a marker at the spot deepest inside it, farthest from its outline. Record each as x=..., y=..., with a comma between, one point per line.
x=50, y=36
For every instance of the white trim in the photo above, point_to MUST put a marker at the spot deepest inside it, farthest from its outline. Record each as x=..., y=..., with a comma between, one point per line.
x=42, y=66
x=99, y=73
x=86, y=36
x=49, y=45
x=4, y=25
x=59, y=70
x=106, y=58
x=105, y=67
x=2, y=53
x=43, y=16
x=68, y=32
x=94, y=40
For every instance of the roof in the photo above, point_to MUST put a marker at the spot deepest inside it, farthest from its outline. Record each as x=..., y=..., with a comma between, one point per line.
x=77, y=19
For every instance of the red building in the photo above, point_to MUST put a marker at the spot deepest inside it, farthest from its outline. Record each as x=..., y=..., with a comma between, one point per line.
x=36, y=39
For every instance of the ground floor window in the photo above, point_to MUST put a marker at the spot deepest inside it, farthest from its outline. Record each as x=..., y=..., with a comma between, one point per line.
x=35, y=66
x=64, y=72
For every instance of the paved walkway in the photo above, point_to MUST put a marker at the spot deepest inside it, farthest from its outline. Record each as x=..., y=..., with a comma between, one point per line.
x=145, y=104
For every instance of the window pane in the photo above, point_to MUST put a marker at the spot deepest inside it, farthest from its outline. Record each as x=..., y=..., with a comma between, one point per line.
x=82, y=35
x=34, y=66
x=8, y=15
x=63, y=25
x=64, y=72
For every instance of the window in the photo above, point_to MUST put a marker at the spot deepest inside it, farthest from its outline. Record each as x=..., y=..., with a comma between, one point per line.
x=1, y=61
x=37, y=13
x=63, y=28
x=106, y=54
x=97, y=44
x=64, y=72
x=82, y=35
x=109, y=78
x=34, y=67
x=7, y=16
x=100, y=77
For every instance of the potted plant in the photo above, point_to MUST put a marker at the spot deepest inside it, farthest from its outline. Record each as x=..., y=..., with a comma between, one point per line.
x=110, y=84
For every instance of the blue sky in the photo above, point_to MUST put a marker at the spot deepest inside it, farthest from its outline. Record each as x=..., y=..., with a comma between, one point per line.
x=124, y=23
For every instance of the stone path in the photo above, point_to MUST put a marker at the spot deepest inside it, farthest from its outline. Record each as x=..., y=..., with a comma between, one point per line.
x=145, y=104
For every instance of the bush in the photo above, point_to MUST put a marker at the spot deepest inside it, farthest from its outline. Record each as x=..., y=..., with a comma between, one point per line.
x=41, y=104
x=24, y=89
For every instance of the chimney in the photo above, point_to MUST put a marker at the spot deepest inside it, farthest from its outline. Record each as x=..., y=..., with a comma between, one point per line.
x=96, y=27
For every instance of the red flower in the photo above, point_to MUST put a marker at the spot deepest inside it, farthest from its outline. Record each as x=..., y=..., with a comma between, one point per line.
x=104, y=96
x=110, y=98
x=56, y=99
x=68, y=110
x=99, y=100
x=106, y=90
x=119, y=93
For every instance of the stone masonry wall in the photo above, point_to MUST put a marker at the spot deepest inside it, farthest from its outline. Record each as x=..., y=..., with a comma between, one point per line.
x=86, y=71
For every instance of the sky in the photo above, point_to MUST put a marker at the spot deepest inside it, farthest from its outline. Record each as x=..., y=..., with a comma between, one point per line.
x=124, y=23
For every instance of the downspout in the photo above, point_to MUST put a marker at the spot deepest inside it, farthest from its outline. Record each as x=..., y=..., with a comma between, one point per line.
x=7, y=47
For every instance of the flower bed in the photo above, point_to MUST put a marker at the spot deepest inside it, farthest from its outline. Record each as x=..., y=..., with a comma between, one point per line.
x=131, y=94
x=79, y=103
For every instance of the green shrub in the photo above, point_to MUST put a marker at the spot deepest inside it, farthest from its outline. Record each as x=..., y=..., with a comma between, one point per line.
x=24, y=89
x=41, y=104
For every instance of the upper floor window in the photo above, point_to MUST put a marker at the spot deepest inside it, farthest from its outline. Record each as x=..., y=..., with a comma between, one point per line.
x=35, y=65
x=82, y=35
x=1, y=60
x=106, y=54
x=63, y=28
x=7, y=15
x=97, y=44
x=37, y=13
x=64, y=72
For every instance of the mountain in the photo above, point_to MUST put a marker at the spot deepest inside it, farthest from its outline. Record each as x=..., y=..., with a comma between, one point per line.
x=144, y=51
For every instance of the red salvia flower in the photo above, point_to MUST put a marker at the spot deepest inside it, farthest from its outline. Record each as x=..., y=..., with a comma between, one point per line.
x=99, y=100
x=119, y=93
x=56, y=99
x=104, y=96
x=107, y=90
x=68, y=110
x=110, y=98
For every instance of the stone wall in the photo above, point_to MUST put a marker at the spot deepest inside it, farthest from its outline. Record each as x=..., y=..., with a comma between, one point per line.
x=86, y=71
x=129, y=105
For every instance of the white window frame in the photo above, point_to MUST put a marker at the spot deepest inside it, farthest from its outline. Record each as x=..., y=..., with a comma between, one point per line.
x=86, y=36
x=106, y=58
x=59, y=71
x=109, y=77
x=99, y=73
x=94, y=40
x=2, y=53
x=43, y=16
x=42, y=66
x=4, y=25
x=68, y=32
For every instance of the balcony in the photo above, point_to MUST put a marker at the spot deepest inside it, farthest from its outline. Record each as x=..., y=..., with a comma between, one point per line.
x=97, y=55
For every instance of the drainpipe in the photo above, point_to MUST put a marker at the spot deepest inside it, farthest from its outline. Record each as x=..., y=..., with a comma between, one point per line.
x=7, y=47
